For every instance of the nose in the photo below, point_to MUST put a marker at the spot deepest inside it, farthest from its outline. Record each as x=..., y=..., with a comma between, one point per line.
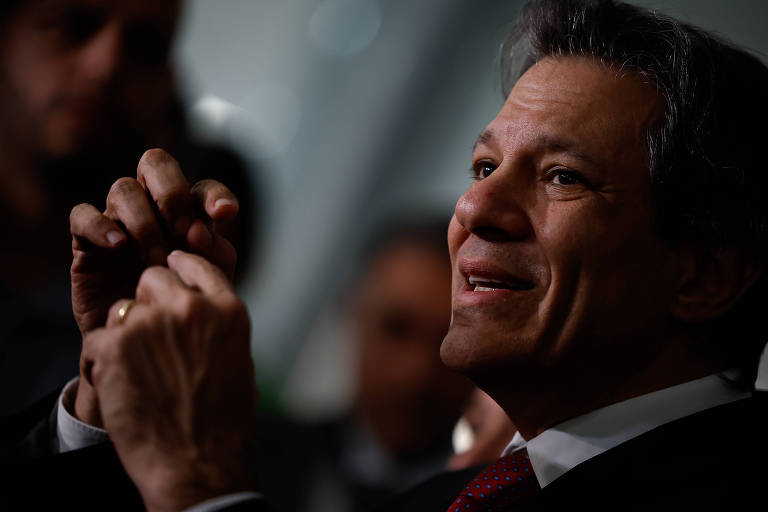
x=100, y=56
x=491, y=209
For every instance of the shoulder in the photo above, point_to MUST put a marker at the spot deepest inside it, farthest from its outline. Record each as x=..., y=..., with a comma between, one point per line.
x=27, y=433
x=715, y=459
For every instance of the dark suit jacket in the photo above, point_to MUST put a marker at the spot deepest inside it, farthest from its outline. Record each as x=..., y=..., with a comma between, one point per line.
x=713, y=460
x=91, y=479
x=32, y=477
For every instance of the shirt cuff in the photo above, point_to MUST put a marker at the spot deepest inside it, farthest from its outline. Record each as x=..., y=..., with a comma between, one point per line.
x=222, y=502
x=72, y=433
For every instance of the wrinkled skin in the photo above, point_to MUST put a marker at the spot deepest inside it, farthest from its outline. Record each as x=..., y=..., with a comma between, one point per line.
x=174, y=381
x=144, y=219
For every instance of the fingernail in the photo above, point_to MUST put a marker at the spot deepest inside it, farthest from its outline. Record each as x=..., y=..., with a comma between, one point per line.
x=114, y=237
x=157, y=255
x=181, y=226
x=223, y=202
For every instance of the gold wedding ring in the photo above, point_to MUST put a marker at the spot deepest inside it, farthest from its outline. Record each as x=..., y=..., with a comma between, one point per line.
x=124, y=309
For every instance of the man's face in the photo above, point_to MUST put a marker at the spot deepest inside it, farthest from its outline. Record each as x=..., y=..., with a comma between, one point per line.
x=557, y=271
x=66, y=63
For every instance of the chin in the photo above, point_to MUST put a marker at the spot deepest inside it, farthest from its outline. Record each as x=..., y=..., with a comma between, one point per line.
x=468, y=351
x=64, y=144
x=485, y=355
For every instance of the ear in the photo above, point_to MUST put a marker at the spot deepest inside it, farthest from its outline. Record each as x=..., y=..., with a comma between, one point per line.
x=713, y=281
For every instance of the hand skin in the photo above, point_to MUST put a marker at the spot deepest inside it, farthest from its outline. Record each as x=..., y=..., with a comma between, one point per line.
x=174, y=383
x=492, y=428
x=144, y=218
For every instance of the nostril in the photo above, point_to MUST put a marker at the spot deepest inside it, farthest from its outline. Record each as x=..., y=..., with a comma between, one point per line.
x=492, y=234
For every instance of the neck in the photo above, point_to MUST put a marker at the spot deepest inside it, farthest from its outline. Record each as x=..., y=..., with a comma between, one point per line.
x=35, y=243
x=22, y=189
x=535, y=410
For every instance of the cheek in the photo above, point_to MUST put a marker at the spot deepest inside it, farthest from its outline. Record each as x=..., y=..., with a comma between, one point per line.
x=606, y=268
x=583, y=251
x=456, y=236
x=33, y=77
x=595, y=234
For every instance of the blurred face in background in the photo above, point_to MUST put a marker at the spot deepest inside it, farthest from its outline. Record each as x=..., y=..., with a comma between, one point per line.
x=405, y=393
x=72, y=70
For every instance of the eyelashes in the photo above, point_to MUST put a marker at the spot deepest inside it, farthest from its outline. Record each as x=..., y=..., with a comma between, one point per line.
x=481, y=170
x=566, y=178
x=559, y=176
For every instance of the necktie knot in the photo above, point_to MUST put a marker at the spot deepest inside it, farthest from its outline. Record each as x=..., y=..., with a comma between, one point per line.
x=509, y=479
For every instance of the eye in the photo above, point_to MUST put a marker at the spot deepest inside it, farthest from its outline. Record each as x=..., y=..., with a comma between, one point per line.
x=481, y=170
x=566, y=178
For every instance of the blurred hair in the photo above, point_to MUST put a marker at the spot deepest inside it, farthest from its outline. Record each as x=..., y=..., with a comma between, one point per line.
x=705, y=151
x=425, y=231
x=8, y=9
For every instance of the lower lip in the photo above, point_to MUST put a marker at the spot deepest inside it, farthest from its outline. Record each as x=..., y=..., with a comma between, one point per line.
x=80, y=111
x=469, y=297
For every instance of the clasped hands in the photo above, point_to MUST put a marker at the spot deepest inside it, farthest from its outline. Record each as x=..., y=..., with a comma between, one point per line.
x=172, y=380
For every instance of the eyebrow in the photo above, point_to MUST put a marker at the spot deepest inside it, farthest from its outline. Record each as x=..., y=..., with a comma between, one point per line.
x=545, y=141
x=484, y=139
x=563, y=145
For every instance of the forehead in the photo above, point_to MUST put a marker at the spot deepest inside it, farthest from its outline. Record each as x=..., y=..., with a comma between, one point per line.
x=580, y=104
x=403, y=262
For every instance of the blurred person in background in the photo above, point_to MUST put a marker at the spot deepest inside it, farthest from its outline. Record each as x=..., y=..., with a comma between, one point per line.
x=398, y=431
x=482, y=433
x=85, y=87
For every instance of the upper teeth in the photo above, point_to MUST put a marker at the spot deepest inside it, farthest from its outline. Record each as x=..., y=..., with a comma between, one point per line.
x=478, y=282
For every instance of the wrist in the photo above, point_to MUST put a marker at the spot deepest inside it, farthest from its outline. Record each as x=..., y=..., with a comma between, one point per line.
x=86, y=406
x=172, y=489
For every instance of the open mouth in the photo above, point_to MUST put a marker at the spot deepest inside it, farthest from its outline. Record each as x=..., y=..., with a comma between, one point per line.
x=484, y=284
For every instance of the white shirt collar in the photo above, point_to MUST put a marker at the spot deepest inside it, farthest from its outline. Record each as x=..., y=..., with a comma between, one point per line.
x=761, y=382
x=566, y=445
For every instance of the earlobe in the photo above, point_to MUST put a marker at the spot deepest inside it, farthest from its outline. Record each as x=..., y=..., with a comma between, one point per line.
x=713, y=281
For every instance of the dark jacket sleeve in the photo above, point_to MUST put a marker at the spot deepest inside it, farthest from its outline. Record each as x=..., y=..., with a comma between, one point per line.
x=31, y=433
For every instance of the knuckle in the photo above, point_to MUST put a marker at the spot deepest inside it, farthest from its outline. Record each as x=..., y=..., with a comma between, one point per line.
x=77, y=218
x=146, y=232
x=149, y=276
x=216, y=271
x=122, y=187
x=78, y=211
x=170, y=200
x=190, y=305
x=155, y=316
x=97, y=373
x=235, y=309
x=117, y=350
x=156, y=157
x=208, y=188
x=203, y=185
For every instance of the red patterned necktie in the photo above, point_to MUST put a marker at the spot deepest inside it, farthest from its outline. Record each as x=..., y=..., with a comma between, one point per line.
x=504, y=482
